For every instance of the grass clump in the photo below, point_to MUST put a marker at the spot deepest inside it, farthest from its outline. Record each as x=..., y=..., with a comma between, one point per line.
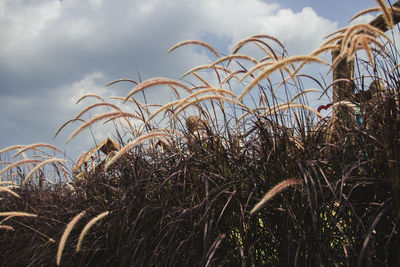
x=240, y=169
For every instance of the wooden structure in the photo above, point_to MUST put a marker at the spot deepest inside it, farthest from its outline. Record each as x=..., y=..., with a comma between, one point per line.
x=107, y=147
x=344, y=89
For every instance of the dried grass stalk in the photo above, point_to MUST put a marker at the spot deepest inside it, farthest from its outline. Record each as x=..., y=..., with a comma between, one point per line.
x=270, y=37
x=285, y=106
x=10, y=148
x=167, y=106
x=206, y=83
x=325, y=48
x=195, y=42
x=365, y=11
x=302, y=93
x=65, y=235
x=90, y=95
x=101, y=117
x=65, y=124
x=254, y=39
x=155, y=82
x=96, y=105
x=207, y=90
x=279, y=65
x=274, y=191
x=207, y=97
x=17, y=214
x=280, y=107
x=357, y=29
x=232, y=75
x=259, y=66
x=25, y=161
x=6, y=227
x=8, y=190
x=202, y=67
x=7, y=182
x=37, y=145
x=334, y=39
x=387, y=14
x=122, y=80
x=234, y=56
x=135, y=142
x=52, y=160
x=87, y=228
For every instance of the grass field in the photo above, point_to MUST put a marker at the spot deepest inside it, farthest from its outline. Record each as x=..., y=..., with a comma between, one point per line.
x=239, y=169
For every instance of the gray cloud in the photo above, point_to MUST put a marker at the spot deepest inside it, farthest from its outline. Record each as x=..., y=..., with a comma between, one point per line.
x=55, y=51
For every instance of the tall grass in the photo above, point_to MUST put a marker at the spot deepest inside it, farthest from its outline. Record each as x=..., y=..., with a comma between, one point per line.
x=238, y=169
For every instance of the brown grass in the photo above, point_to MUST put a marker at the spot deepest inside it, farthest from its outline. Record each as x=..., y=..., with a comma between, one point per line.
x=6, y=227
x=356, y=29
x=87, y=228
x=65, y=235
x=387, y=14
x=155, y=82
x=255, y=68
x=202, y=67
x=8, y=190
x=134, y=101
x=25, y=161
x=96, y=105
x=41, y=164
x=16, y=214
x=195, y=42
x=279, y=65
x=90, y=95
x=207, y=97
x=135, y=142
x=206, y=83
x=102, y=117
x=365, y=11
x=234, y=56
x=182, y=102
x=11, y=148
x=333, y=39
x=35, y=146
x=274, y=191
x=257, y=40
x=122, y=80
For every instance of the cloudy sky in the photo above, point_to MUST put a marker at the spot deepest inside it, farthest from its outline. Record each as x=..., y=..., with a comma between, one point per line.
x=52, y=52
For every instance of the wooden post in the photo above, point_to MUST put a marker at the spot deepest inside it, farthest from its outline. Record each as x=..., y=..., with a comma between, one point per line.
x=379, y=22
x=344, y=90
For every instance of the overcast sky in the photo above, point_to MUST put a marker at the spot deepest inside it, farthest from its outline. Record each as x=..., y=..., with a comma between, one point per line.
x=52, y=52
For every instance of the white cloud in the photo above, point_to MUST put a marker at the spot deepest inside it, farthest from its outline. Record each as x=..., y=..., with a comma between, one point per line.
x=59, y=50
x=154, y=24
x=96, y=3
x=23, y=21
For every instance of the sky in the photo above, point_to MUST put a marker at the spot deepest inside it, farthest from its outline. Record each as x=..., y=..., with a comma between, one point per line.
x=52, y=52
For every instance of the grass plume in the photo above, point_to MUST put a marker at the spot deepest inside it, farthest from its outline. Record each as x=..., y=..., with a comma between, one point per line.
x=65, y=235
x=195, y=42
x=40, y=165
x=87, y=228
x=184, y=177
x=274, y=191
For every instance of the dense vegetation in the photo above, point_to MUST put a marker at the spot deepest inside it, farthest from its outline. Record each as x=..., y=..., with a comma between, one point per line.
x=215, y=178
